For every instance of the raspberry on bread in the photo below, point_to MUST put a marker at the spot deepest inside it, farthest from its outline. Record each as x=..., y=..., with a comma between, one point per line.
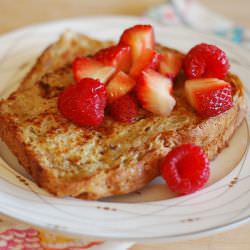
x=84, y=102
x=124, y=109
x=206, y=61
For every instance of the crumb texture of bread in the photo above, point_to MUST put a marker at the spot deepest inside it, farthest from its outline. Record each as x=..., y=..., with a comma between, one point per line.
x=114, y=158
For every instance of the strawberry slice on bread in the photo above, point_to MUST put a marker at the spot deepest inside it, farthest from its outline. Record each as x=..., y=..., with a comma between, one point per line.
x=170, y=64
x=118, y=56
x=85, y=67
x=119, y=85
x=139, y=38
x=209, y=96
x=153, y=91
x=148, y=59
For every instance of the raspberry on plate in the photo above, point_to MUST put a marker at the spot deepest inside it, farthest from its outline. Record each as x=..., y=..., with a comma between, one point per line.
x=185, y=169
x=124, y=109
x=84, y=102
x=205, y=60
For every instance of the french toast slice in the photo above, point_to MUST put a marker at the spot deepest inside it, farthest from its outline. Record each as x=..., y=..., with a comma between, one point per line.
x=114, y=158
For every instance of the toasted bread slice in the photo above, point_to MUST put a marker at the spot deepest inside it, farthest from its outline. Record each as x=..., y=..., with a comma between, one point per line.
x=114, y=158
x=63, y=51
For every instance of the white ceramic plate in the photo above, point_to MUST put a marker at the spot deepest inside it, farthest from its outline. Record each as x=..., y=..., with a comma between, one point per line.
x=152, y=214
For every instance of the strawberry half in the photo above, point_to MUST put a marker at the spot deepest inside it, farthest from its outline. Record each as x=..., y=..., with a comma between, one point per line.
x=119, y=85
x=153, y=91
x=139, y=38
x=85, y=67
x=118, y=56
x=170, y=64
x=148, y=59
x=209, y=96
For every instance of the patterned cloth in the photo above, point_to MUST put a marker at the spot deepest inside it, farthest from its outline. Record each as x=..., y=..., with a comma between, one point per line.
x=15, y=235
x=197, y=16
x=19, y=236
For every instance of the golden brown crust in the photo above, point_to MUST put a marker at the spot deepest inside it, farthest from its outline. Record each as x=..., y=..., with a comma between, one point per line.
x=212, y=134
x=10, y=134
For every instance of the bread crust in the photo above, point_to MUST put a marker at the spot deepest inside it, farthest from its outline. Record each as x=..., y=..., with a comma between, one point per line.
x=212, y=134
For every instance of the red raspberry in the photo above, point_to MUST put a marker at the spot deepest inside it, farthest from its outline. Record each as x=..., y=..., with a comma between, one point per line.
x=84, y=102
x=205, y=60
x=124, y=109
x=185, y=169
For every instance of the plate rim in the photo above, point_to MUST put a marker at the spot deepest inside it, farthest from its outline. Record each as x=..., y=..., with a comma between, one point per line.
x=163, y=239
x=200, y=233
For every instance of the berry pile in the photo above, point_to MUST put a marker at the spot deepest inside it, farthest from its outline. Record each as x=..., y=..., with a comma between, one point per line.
x=119, y=79
x=206, y=67
x=130, y=68
x=133, y=65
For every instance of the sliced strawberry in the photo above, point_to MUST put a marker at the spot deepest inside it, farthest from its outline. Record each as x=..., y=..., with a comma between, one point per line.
x=170, y=64
x=118, y=56
x=154, y=92
x=148, y=59
x=209, y=96
x=119, y=85
x=85, y=67
x=139, y=38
